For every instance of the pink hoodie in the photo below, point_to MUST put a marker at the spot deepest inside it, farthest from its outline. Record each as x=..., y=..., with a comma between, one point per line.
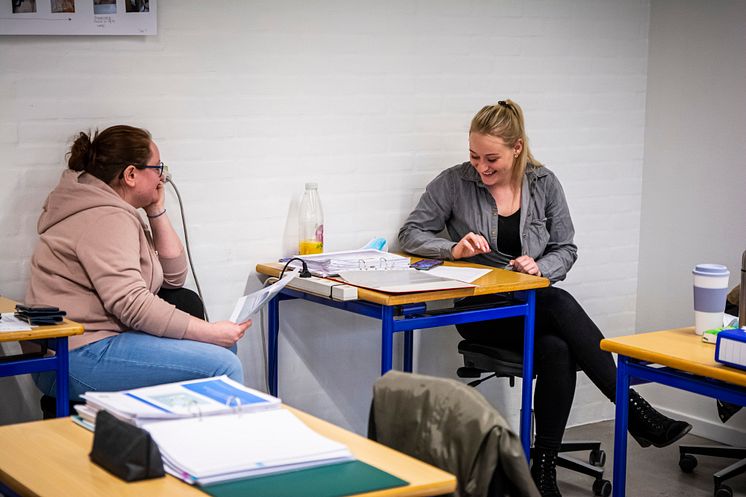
x=96, y=260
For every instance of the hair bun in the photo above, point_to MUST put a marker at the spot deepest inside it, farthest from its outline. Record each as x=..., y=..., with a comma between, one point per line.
x=80, y=153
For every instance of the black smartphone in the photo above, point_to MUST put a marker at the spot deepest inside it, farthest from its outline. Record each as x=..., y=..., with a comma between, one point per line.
x=426, y=264
x=40, y=308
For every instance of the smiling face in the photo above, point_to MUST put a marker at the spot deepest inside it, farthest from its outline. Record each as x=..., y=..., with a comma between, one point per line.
x=492, y=158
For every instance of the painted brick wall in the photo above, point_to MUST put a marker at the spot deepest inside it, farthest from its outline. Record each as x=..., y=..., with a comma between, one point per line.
x=249, y=100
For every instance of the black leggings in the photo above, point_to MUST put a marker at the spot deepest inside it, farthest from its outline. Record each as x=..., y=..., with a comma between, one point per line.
x=565, y=338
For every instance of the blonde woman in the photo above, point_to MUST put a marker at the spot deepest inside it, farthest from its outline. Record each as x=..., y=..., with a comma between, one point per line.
x=505, y=209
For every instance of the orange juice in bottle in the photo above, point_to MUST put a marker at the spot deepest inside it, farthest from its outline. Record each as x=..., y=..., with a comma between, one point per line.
x=310, y=222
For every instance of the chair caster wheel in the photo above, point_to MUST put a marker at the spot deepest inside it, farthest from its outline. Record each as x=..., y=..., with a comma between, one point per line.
x=603, y=488
x=597, y=458
x=724, y=491
x=687, y=463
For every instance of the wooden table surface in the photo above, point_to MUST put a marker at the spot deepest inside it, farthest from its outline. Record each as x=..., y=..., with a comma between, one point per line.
x=678, y=348
x=65, y=329
x=50, y=459
x=496, y=281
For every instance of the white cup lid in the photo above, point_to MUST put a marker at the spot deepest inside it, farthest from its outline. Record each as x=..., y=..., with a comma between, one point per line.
x=710, y=270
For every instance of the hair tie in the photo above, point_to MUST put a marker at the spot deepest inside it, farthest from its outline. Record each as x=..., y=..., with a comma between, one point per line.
x=503, y=103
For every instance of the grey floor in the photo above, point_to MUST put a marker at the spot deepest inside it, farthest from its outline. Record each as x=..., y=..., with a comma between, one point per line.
x=651, y=472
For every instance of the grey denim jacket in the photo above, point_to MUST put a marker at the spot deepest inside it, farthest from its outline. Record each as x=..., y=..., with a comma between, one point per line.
x=457, y=201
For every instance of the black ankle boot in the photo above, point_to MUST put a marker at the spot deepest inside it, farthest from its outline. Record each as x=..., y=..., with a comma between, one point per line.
x=544, y=473
x=648, y=426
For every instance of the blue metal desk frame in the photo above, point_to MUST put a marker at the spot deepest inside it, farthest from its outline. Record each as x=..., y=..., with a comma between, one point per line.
x=59, y=363
x=409, y=317
x=628, y=368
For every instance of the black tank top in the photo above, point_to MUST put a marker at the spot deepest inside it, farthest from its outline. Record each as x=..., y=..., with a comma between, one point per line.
x=509, y=235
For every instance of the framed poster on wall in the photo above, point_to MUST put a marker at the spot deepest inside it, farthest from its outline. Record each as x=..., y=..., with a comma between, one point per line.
x=78, y=17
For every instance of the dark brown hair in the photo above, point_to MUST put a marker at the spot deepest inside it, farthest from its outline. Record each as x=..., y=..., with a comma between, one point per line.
x=110, y=151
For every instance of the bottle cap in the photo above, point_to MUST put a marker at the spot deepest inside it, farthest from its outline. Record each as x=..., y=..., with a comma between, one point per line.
x=312, y=186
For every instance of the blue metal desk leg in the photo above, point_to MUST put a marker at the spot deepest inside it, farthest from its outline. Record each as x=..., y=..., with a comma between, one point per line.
x=408, y=350
x=273, y=329
x=62, y=371
x=387, y=338
x=620, y=427
x=528, y=372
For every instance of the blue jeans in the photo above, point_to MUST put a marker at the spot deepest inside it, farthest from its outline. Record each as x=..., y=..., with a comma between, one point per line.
x=135, y=359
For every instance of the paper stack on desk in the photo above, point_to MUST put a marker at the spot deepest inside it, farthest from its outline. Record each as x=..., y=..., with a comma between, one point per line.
x=215, y=429
x=332, y=263
x=203, y=397
x=231, y=447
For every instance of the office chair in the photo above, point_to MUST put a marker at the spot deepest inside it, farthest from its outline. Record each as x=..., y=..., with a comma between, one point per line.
x=503, y=363
x=453, y=427
x=687, y=461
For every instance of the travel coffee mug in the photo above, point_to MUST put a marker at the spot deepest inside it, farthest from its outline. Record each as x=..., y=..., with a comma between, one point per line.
x=710, y=291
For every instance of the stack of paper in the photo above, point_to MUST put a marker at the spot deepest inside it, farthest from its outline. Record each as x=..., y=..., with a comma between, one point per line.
x=194, y=398
x=331, y=263
x=236, y=446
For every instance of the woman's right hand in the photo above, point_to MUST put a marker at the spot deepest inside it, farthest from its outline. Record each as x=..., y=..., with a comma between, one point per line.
x=470, y=245
x=222, y=333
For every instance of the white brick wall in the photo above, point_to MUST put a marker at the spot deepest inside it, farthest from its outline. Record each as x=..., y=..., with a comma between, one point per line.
x=248, y=100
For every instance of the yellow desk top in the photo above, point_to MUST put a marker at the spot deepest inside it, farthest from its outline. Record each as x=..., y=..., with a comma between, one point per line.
x=50, y=459
x=496, y=281
x=678, y=348
x=65, y=329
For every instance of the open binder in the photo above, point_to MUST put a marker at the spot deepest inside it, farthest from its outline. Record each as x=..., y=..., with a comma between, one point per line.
x=216, y=430
x=332, y=263
x=230, y=447
x=195, y=398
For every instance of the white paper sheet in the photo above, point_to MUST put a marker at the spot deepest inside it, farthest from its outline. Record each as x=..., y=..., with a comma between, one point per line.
x=251, y=303
x=466, y=274
x=11, y=323
x=400, y=281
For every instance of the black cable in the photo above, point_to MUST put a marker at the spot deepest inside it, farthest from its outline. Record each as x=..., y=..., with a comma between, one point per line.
x=304, y=272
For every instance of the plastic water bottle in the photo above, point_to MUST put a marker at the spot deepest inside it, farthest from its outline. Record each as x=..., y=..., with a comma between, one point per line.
x=310, y=222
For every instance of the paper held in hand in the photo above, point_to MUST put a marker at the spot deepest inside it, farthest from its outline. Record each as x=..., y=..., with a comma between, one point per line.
x=253, y=302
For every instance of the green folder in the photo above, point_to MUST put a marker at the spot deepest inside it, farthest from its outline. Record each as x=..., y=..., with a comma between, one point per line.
x=333, y=480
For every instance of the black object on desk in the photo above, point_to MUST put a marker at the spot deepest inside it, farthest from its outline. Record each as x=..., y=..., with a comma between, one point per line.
x=125, y=450
x=39, y=314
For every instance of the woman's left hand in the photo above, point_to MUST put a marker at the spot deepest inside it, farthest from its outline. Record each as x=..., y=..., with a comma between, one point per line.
x=525, y=264
x=158, y=205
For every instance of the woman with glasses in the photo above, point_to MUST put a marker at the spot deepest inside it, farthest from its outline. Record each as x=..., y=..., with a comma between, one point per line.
x=110, y=268
x=505, y=209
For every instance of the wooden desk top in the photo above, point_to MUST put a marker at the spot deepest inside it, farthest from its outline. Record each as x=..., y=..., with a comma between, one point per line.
x=678, y=348
x=65, y=329
x=50, y=459
x=496, y=281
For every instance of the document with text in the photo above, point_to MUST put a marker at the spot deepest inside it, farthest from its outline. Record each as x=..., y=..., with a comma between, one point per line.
x=253, y=302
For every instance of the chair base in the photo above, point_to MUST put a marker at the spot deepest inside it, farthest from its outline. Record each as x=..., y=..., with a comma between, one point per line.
x=687, y=463
x=480, y=359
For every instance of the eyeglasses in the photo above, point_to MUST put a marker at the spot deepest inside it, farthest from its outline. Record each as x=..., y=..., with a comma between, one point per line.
x=161, y=167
